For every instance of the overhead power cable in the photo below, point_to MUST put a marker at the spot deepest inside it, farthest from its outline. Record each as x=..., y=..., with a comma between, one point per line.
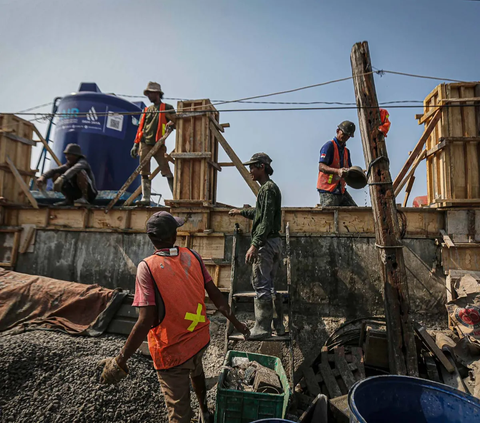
x=35, y=107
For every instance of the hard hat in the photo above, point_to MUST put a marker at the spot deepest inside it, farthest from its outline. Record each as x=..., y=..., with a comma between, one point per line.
x=347, y=127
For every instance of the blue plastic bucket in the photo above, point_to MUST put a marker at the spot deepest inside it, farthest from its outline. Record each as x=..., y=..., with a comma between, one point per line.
x=403, y=399
x=273, y=421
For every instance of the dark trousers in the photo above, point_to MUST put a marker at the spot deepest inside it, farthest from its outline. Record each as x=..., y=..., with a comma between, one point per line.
x=336, y=200
x=77, y=187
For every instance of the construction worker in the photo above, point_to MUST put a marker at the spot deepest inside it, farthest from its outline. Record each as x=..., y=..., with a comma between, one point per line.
x=333, y=164
x=266, y=248
x=154, y=123
x=74, y=179
x=170, y=295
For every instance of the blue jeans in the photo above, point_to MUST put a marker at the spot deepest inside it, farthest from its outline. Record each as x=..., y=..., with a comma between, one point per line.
x=265, y=268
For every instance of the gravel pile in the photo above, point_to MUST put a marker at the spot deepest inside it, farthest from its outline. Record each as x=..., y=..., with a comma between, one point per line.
x=52, y=377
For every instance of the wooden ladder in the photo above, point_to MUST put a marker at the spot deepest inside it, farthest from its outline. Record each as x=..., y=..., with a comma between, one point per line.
x=235, y=295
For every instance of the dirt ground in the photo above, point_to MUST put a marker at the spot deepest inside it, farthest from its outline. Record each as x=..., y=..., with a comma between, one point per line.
x=48, y=376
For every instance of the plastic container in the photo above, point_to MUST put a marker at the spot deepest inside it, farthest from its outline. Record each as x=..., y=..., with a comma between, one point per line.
x=402, y=399
x=245, y=407
x=94, y=121
x=273, y=421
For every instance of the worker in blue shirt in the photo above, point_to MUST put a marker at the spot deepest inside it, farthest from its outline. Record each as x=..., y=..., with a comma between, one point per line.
x=333, y=164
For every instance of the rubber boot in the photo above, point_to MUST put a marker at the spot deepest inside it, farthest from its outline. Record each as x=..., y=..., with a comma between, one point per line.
x=170, y=182
x=263, y=319
x=146, y=192
x=278, y=320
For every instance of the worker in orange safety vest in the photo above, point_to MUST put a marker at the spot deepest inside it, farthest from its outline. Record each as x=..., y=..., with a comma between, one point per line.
x=170, y=296
x=155, y=121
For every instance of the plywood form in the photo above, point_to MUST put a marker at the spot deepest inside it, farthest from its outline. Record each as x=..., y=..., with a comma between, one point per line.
x=453, y=176
x=195, y=149
x=344, y=221
x=461, y=257
x=15, y=142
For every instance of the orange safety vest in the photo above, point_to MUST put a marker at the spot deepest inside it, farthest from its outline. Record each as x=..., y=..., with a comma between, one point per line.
x=329, y=182
x=184, y=331
x=162, y=125
x=385, y=127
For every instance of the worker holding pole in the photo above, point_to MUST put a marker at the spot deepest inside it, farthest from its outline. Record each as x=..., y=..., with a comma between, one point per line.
x=266, y=248
x=152, y=127
x=333, y=165
x=170, y=294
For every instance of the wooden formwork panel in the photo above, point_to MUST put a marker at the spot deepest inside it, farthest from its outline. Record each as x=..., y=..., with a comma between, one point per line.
x=196, y=153
x=16, y=143
x=453, y=148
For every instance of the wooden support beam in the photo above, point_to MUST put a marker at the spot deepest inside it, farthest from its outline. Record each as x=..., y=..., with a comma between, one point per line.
x=21, y=183
x=28, y=240
x=410, y=173
x=226, y=164
x=401, y=339
x=138, y=191
x=137, y=171
x=418, y=148
x=234, y=158
x=446, y=239
x=47, y=147
x=408, y=190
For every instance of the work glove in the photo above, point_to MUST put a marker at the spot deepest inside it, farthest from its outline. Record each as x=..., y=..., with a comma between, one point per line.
x=134, y=151
x=57, y=185
x=112, y=372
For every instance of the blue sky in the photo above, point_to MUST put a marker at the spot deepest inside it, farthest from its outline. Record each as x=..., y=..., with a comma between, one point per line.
x=222, y=49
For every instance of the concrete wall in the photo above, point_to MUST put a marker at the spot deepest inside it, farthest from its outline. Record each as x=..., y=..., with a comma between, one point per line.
x=332, y=276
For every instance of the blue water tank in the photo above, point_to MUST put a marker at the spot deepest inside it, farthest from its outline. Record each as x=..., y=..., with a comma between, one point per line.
x=96, y=122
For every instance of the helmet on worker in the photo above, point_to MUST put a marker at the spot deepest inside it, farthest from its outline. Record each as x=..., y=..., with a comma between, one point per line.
x=348, y=130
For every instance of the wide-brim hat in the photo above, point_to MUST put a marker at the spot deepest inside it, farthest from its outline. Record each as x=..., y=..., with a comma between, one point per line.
x=153, y=87
x=355, y=177
x=74, y=149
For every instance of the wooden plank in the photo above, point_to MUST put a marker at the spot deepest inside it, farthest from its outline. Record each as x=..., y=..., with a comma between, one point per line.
x=328, y=377
x=138, y=191
x=432, y=346
x=194, y=155
x=137, y=171
x=312, y=384
x=448, y=241
x=452, y=379
x=417, y=149
x=342, y=366
x=234, y=158
x=27, y=241
x=21, y=183
x=428, y=115
x=47, y=147
x=357, y=354
x=408, y=190
x=401, y=338
x=436, y=149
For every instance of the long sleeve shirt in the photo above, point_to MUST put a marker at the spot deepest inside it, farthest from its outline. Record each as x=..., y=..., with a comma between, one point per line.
x=69, y=171
x=266, y=215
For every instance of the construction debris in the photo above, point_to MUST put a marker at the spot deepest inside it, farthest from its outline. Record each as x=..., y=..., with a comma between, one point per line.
x=250, y=376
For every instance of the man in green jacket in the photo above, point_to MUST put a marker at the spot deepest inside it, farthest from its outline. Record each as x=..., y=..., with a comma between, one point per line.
x=266, y=248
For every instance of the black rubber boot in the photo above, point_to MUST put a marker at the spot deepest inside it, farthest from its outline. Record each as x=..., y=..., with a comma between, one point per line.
x=263, y=319
x=278, y=321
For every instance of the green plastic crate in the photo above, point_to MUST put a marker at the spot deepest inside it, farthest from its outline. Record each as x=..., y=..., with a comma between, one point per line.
x=244, y=407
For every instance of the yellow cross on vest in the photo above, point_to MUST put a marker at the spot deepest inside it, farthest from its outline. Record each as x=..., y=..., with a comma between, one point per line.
x=195, y=318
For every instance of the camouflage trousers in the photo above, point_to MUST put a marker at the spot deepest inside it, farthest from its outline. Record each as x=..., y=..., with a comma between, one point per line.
x=336, y=200
x=265, y=268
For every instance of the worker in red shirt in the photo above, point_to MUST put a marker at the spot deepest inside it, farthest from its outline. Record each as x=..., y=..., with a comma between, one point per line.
x=170, y=294
x=385, y=126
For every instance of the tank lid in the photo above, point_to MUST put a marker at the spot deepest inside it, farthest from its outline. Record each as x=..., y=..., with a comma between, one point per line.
x=89, y=86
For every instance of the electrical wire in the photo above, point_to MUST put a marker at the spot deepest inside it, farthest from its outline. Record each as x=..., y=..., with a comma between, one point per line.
x=35, y=107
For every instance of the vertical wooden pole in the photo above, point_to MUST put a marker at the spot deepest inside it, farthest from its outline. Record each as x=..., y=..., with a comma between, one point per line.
x=401, y=341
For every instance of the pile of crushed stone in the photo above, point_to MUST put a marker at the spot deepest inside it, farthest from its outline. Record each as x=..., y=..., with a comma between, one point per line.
x=53, y=377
